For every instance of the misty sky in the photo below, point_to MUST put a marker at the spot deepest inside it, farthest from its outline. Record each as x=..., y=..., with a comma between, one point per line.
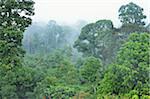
x=69, y=11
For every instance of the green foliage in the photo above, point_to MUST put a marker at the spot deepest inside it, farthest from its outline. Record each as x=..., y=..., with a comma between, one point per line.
x=59, y=77
x=97, y=39
x=135, y=56
x=112, y=82
x=10, y=47
x=130, y=72
x=58, y=92
x=13, y=24
x=127, y=29
x=16, y=83
x=52, y=69
x=90, y=70
x=11, y=13
x=131, y=13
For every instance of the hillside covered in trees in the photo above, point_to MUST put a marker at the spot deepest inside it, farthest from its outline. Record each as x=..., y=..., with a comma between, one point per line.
x=81, y=61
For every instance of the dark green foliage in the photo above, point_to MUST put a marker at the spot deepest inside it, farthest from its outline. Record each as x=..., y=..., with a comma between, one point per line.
x=132, y=14
x=16, y=13
x=97, y=39
x=60, y=78
x=131, y=28
x=45, y=88
x=13, y=24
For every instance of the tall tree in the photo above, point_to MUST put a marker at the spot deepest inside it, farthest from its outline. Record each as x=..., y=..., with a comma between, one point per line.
x=14, y=18
x=97, y=39
x=131, y=13
x=54, y=36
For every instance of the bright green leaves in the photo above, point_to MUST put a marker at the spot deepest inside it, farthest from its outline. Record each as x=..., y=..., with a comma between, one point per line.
x=135, y=55
x=131, y=70
x=112, y=81
x=135, y=50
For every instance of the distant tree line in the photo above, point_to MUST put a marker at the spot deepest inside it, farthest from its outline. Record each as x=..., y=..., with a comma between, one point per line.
x=59, y=62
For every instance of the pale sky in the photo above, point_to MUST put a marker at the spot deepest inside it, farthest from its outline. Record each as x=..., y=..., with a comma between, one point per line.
x=69, y=11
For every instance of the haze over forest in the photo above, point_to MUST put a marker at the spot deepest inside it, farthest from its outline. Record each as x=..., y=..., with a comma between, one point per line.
x=70, y=11
x=74, y=49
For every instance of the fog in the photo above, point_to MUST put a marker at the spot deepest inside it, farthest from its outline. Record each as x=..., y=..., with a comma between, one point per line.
x=61, y=20
x=70, y=11
x=47, y=37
